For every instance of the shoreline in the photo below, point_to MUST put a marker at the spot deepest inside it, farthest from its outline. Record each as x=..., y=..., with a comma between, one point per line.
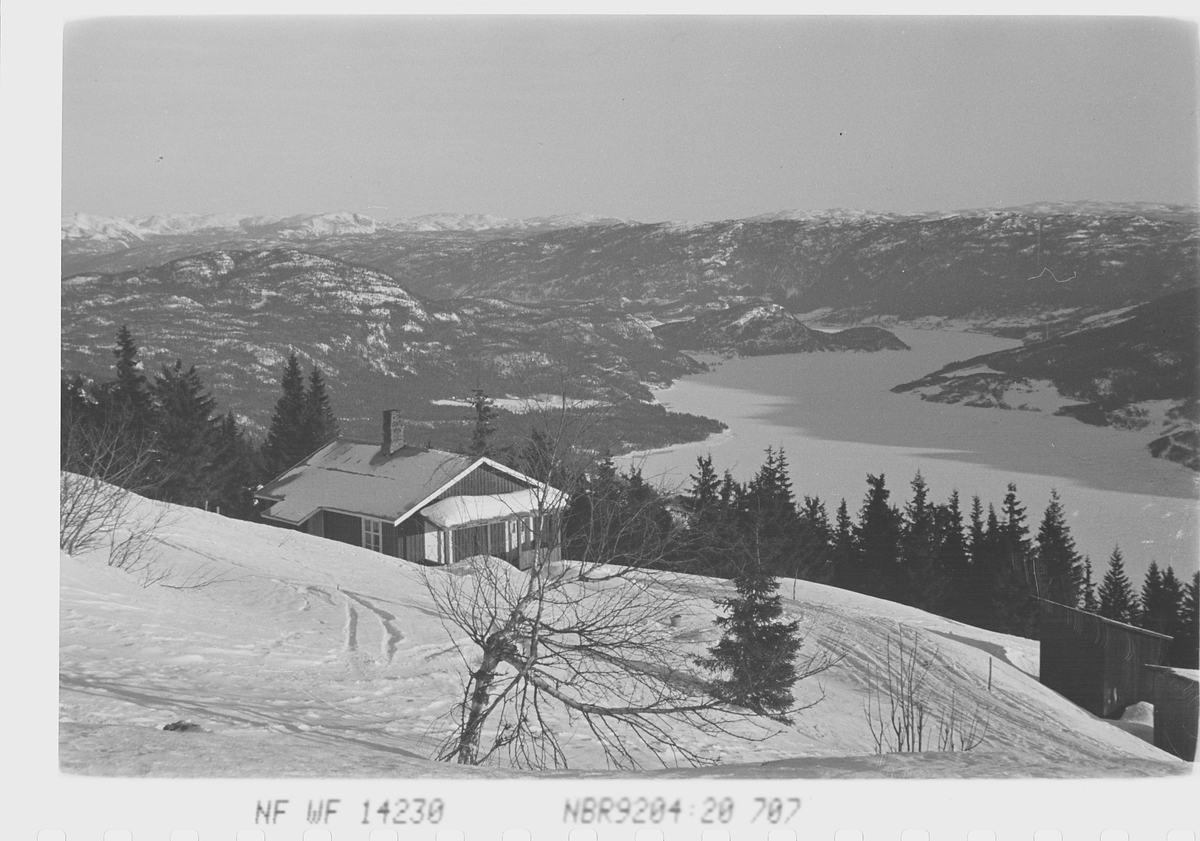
x=837, y=420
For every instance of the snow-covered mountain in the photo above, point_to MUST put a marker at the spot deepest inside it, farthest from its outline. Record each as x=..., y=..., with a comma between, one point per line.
x=121, y=230
x=308, y=657
x=1033, y=272
x=237, y=315
x=758, y=329
x=484, y=222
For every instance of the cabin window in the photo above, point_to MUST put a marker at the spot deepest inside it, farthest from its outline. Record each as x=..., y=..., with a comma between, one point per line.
x=372, y=534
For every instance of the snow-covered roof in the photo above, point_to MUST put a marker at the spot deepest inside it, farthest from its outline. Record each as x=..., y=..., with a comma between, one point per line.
x=355, y=477
x=459, y=510
x=1187, y=674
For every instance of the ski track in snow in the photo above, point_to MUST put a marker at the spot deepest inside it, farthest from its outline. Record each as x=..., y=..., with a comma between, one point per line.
x=391, y=637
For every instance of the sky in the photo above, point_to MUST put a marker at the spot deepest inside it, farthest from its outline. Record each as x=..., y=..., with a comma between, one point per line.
x=646, y=118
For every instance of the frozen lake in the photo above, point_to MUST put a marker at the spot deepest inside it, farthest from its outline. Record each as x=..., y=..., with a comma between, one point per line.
x=837, y=420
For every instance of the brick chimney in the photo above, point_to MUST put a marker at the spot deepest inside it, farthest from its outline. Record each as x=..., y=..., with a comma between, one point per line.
x=393, y=432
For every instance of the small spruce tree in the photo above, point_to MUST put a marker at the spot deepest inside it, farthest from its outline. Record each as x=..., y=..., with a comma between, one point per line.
x=484, y=415
x=757, y=650
x=1090, y=602
x=704, y=494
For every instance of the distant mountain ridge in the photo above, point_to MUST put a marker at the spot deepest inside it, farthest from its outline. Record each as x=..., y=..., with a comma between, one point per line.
x=1048, y=265
x=82, y=226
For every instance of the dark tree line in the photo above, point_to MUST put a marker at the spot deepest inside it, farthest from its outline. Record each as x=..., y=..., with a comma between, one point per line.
x=985, y=566
x=1164, y=605
x=163, y=437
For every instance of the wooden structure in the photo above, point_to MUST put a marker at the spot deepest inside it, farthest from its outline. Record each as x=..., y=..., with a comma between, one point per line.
x=416, y=503
x=1176, y=710
x=1095, y=662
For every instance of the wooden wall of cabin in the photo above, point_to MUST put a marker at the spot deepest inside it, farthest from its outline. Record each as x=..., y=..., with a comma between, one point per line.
x=410, y=539
x=1126, y=680
x=1072, y=667
x=1176, y=712
x=344, y=528
x=405, y=541
x=1097, y=664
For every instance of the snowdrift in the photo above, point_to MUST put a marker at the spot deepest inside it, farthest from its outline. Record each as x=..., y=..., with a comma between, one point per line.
x=299, y=656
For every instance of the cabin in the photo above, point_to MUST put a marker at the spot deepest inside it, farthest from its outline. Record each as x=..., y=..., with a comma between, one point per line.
x=416, y=503
x=1176, y=710
x=1097, y=663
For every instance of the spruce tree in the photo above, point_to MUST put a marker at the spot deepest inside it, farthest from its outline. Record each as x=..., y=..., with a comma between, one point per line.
x=921, y=582
x=953, y=560
x=975, y=595
x=1018, y=586
x=703, y=495
x=1185, y=650
x=731, y=491
x=1090, y=602
x=131, y=391
x=287, y=439
x=1172, y=603
x=540, y=459
x=878, y=540
x=1189, y=616
x=1162, y=598
x=1117, y=600
x=847, y=566
x=484, y=415
x=185, y=432
x=321, y=425
x=1060, y=564
x=1014, y=541
x=1150, y=615
x=815, y=539
x=757, y=650
x=1006, y=599
x=769, y=518
x=703, y=548
x=235, y=471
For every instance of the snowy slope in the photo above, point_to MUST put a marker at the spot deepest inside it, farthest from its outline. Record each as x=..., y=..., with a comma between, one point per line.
x=305, y=657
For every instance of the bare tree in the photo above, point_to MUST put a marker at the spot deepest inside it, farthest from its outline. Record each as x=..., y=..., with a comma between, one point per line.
x=104, y=464
x=586, y=638
x=900, y=704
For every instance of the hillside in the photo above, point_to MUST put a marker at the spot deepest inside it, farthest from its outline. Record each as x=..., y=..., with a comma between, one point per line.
x=306, y=657
x=572, y=300
x=237, y=314
x=1135, y=369
x=760, y=329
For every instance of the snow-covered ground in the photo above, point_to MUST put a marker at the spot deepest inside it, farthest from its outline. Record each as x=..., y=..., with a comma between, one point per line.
x=306, y=657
